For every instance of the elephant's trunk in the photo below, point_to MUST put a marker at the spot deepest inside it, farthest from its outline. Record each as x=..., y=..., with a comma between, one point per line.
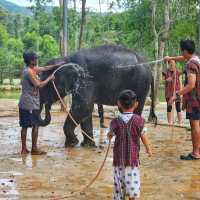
x=47, y=119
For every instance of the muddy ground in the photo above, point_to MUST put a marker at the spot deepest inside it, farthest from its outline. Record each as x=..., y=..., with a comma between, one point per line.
x=61, y=171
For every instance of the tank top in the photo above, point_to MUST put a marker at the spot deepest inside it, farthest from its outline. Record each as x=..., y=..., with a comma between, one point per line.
x=30, y=97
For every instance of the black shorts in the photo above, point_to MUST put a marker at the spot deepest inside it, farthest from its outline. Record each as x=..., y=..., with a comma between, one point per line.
x=195, y=115
x=28, y=118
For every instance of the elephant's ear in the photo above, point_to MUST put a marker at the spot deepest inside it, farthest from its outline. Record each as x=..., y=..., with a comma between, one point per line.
x=68, y=77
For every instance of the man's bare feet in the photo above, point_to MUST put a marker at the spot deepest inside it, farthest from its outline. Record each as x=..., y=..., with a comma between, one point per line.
x=38, y=152
x=25, y=151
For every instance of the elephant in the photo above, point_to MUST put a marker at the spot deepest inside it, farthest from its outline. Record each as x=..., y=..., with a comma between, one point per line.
x=96, y=75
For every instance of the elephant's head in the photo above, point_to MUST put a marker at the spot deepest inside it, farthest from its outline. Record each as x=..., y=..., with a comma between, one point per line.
x=67, y=80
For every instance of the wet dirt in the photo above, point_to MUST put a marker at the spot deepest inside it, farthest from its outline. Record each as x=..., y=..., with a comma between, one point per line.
x=62, y=171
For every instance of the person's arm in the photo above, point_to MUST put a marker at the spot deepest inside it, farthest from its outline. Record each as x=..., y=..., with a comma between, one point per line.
x=165, y=79
x=190, y=86
x=145, y=141
x=180, y=80
x=175, y=58
x=47, y=68
x=169, y=79
x=36, y=82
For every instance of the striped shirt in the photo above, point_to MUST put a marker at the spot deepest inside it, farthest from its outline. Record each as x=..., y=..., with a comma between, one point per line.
x=191, y=100
x=127, y=140
x=170, y=86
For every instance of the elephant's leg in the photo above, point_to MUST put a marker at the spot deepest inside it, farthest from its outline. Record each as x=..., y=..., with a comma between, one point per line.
x=101, y=115
x=69, y=127
x=81, y=110
x=87, y=127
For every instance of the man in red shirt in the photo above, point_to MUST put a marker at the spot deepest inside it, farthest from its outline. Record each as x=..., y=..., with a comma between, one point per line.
x=172, y=85
x=191, y=93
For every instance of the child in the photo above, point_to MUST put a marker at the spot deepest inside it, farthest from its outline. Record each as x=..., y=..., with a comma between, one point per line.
x=128, y=128
x=172, y=84
x=29, y=104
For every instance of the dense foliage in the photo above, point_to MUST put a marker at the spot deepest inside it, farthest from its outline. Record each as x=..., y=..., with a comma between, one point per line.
x=132, y=28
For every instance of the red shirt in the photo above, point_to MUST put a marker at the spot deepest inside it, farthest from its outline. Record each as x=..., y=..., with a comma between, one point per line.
x=127, y=141
x=171, y=85
x=191, y=100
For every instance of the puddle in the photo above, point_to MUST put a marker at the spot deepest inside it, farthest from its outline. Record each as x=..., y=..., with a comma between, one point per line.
x=8, y=187
x=13, y=173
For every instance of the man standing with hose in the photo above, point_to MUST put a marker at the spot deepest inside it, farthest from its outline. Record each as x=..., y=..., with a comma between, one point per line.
x=191, y=93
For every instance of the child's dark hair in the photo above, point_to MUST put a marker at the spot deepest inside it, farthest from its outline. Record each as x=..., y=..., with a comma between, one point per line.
x=127, y=98
x=29, y=56
x=187, y=45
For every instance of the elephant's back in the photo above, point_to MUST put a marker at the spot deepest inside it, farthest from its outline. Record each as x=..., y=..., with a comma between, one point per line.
x=113, y=68
x=105, y=57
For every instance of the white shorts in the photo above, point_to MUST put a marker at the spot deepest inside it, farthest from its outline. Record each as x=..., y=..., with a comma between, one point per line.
x=126, y=182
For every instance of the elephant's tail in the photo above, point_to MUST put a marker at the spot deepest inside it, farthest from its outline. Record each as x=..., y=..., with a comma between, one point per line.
x=152, y=115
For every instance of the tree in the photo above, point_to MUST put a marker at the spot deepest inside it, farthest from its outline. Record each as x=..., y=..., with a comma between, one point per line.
x=83, y=18
x=3, y=36
x=13, y=52
x=16, y=46
x=75, y=25
x=3, y=16
x=65, y=25
x=49, y=48
x=31, y=40
x=160, y=38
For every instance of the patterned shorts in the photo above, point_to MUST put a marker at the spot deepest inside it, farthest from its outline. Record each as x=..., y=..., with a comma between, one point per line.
x=126, y=183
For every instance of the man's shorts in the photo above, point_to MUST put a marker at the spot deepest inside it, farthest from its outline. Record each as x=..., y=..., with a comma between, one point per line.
x=194, y=115
x=29, y=118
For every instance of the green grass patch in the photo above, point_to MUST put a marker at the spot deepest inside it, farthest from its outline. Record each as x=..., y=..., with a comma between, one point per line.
x=161, y=95
x=16, y=95
x=10, y=94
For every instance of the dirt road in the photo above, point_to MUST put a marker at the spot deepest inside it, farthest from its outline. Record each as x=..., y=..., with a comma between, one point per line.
x=61, y=171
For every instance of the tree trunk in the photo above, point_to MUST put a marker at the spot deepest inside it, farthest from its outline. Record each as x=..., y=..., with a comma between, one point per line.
x=160, y=39
x=62, y=52
x=65, y=16
x=61, y=31
x=76, y=26
x=83, y=15
x=100, y=7
x=156, y=42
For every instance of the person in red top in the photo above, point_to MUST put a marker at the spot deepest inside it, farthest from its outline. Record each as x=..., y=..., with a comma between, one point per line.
x=128, y=129
x=191, y=93
x=172, y=84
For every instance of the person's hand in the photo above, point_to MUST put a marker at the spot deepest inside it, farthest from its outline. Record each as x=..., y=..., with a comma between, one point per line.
x=171, y=101
x=169, y=79
x=149, y=152
x=167, y=58
x=110, y=135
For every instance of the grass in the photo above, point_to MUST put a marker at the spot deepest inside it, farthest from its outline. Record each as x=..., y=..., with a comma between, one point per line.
x=16, y=95
x=10, y=94
x=161, y=95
